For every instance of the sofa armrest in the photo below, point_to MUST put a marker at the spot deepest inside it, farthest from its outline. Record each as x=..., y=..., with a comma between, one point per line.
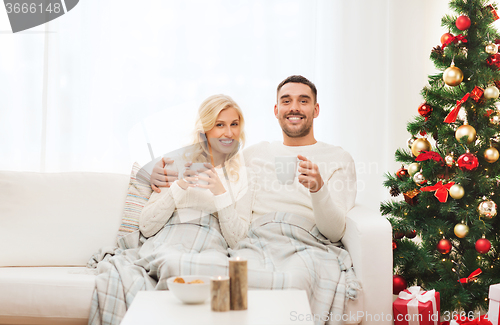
x=368, y=239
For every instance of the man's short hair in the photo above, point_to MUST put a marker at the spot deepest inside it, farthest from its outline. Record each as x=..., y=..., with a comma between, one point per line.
x=301, y=80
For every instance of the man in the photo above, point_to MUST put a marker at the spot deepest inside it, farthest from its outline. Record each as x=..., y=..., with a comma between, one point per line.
x=326, y=187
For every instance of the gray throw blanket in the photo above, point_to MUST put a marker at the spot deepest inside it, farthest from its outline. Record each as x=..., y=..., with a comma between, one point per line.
x=284, y=251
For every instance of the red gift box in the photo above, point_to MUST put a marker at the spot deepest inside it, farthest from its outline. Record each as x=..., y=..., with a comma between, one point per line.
x=494, y=307
x=418, y=307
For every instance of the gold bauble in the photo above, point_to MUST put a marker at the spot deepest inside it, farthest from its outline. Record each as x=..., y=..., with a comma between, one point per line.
x=421, y=144
x=413, y=168
x=453, y=76
x=457, y=192
x=466, y=130
x=491, y=92
x=449, y=160
x=491, y=48
x=487, y=209
x=491, y=155
x=461, y=230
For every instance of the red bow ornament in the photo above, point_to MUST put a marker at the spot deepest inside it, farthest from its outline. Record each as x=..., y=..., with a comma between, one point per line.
x=426, y=155
x=462, y=320
x=441, y=190
x=455, y=40
x=473, y=276
x=452, y=116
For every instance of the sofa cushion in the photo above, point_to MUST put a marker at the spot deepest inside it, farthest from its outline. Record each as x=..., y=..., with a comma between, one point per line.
x=138, y=195
x=50, y=293
x=58, y=219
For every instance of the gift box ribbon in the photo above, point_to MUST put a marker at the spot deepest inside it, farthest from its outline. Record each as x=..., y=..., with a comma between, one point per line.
x=415, y=295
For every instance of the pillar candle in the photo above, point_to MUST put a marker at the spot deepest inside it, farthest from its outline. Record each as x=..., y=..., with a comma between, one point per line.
x=219, y=291
x=238, y=283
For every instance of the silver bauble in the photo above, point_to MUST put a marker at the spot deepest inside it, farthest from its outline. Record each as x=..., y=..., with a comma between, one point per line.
x=449, y=160
x=419, y=178
x=491, y=48
x=487, y=209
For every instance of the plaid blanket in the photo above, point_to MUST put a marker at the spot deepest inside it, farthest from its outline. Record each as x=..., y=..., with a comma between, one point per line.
x=284, y=251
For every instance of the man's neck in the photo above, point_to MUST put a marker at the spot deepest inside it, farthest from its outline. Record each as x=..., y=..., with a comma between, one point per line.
x=296, y=142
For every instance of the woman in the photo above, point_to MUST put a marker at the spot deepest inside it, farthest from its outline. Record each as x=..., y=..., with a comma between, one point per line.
x=182, y=222
x=220, y=188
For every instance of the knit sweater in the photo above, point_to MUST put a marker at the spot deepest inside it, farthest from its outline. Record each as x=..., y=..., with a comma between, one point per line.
x=327, y=207
x=231, y=204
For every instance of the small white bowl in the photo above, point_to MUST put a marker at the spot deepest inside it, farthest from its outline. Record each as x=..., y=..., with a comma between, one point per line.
x=190, y=293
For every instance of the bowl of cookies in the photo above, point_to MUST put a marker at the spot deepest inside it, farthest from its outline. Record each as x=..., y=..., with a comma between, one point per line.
x=190, y=289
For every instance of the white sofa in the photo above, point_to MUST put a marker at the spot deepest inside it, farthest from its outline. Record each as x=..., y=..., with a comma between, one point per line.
x=51, y=223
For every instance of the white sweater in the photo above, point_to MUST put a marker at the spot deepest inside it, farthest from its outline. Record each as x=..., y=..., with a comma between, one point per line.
x=232, y=204
x=327, y=207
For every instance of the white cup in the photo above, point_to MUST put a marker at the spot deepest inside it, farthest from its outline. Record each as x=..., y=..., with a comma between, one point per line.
x=195, y=167
x=286, y=168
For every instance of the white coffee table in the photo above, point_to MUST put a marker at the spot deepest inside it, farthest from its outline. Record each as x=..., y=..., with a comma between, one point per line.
x=265, y=307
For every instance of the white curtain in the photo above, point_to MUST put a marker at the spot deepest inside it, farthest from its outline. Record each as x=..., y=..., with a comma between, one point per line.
x=88, y=90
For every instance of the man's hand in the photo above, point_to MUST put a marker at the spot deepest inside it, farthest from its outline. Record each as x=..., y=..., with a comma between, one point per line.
x=309, y=174
x=161, y=176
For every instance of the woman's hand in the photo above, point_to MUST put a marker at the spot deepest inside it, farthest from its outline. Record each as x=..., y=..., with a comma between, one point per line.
x=214, y=183
x=187, y=177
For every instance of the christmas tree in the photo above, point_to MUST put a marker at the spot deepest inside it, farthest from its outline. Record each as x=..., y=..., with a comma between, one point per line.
x=450, y=178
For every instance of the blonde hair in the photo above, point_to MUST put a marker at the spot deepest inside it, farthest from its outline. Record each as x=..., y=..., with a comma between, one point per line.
x=207, y=116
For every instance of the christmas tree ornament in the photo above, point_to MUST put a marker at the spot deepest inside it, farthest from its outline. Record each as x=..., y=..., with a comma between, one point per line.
x=419, y=145
x=487, y=209
x=394, y=245
x=462, y=22
x=425, y=110
x=491, y=48
x=444, y=246
x=495, y=119
x=494, y=60
x=449, y=160
x=453, y=76
x=446, y=37
x=465, y=130
x=467, y=161
x=461, y=230
x=430, y=155
x=483, y=245
x=491, y=92
x=476, y=93
x=398, y=284
x=457, y=191
x=411, y=234
x=413, y=169
x=410, y=141
x=441, y=190
x=402, y=173
x=471, y=278
x=411, y=197
x=452, y=115
x=438, y=50
x=491, y=155
x=394, y=191
x=398, y=235
x=493, y=12
x=419, y=179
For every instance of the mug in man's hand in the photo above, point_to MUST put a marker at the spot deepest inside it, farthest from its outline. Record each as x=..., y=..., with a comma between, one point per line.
x=286, y=168
x=195, y=168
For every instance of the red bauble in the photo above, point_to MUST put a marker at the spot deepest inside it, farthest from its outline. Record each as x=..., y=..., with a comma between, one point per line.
x=444, y=246
x=402, y=173
x=411, y=234
x=394, y=245
x=425, y=110
x=463, y=22
x=445, y=37
x=398, y=284
x=483, y=245
x=494, y=60
x=467, y=161
x=398, y=235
